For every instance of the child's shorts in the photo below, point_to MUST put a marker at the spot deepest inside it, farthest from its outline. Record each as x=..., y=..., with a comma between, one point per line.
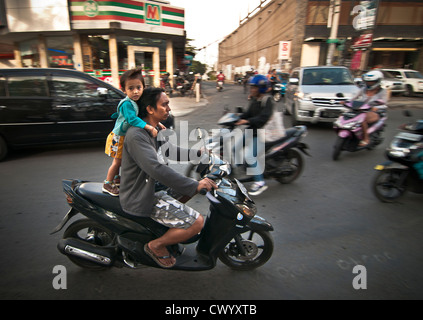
x=114, y=146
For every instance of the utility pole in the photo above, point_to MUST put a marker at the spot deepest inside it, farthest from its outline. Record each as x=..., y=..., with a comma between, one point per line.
x=333, y=23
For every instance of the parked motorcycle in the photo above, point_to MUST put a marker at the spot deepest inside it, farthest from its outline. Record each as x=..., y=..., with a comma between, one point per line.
x=404, y=170
x=283, y=161
x=110, y=237
x=165, y=85
x=348, y=127
x=181, y=85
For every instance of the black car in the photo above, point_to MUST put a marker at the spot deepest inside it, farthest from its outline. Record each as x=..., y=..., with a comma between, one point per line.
x=45, y=106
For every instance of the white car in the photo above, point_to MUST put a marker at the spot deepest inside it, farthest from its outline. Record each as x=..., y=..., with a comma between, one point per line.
x=317, y=94
x=413, y=79
x=392, y=83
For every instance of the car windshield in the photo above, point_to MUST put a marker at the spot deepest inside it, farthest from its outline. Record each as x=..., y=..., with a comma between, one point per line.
x=413, y=74
x=327, y=76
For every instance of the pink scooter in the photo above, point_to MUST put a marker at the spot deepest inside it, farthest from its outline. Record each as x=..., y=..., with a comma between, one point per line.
x=349, y=130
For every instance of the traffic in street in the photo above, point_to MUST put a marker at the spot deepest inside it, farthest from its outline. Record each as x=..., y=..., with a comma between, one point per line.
x=333, y=239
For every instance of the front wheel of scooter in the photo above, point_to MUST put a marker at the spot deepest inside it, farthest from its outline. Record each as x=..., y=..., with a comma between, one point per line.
x=277, y=97
x=387, y=187
x=257, y=248
x=290, y=166
x=337, y=148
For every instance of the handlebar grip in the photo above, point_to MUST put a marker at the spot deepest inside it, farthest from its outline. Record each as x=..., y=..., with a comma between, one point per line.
x=203, y=191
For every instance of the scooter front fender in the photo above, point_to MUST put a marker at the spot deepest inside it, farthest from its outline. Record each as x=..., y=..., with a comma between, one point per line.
x=344, y=134
x=390, y=165
x=259, y=223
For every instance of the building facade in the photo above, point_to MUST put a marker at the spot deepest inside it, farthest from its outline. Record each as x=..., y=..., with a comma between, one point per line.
x=284, y=34
x=102, y=38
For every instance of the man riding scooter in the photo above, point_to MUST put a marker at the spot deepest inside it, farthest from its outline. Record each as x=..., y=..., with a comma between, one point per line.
x=220, y=79
x=141, y=168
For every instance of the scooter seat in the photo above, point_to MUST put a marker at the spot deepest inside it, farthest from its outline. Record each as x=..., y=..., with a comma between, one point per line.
x=92, y=191
x=288, y=134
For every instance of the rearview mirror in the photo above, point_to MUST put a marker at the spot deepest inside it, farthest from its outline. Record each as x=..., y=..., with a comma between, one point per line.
x=102, y=92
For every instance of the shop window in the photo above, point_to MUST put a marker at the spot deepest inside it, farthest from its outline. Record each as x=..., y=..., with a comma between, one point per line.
x=60, y=52
x=29, y=53
x=28, y=86
x=96, y=53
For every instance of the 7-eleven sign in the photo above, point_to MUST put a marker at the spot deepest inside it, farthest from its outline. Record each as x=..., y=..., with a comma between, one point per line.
x=152, y=14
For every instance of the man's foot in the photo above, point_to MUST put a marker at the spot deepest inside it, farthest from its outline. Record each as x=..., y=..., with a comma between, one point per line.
x=363, y=143
x=162, y=258
x=257, y=188
x=111, y=189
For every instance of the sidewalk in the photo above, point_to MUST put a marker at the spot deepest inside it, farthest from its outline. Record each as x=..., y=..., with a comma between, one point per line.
x=399, y=103
x=181, y=106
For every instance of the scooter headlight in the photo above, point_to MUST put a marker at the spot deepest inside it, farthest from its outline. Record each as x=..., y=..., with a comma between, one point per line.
x=399, y=148
x=247, y=210
x=350, y=125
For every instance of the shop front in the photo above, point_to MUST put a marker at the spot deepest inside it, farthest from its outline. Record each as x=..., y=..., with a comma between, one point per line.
x=101, y=38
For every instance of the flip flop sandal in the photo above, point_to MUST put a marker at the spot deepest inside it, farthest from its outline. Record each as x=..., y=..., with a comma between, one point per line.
x=363, y=143
x=156, y=258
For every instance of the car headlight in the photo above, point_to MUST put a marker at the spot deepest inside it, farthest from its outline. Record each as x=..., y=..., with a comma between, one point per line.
x=303, y=96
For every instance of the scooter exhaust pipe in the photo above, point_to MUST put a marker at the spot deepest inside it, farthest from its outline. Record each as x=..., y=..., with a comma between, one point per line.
x=87, y=251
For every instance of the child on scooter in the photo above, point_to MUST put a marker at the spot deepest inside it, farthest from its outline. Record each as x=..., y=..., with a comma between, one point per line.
x=132, y=84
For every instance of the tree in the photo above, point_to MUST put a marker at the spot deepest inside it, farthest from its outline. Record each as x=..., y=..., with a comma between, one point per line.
x=198, y=67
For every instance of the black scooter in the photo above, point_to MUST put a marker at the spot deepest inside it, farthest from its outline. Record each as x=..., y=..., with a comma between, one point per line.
x=283, y=161
x=110, y=237
x=404, y=170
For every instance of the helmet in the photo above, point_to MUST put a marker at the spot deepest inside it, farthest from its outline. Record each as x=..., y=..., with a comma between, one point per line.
x=373, y=76
x=261, y=82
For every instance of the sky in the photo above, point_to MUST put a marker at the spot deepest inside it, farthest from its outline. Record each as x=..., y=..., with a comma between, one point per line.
x=207, y=22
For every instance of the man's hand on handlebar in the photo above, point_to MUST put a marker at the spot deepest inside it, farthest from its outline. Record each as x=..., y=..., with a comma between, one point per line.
x=241, y=122
x=206, y=184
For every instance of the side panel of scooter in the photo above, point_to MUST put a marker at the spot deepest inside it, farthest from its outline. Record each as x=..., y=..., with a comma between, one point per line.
x=216, y=227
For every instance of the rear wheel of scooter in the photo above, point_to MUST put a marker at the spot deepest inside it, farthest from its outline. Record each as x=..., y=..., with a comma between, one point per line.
x=337, y=148
x=257, y=246
x=92, y=232
x=290, y=166
x=386, y=186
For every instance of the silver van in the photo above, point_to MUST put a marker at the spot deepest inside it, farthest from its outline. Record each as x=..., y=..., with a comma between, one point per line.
x=314, y=94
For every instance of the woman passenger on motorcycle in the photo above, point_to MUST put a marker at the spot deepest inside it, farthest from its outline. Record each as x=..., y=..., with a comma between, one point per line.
x=255, y=117
x=372, y=91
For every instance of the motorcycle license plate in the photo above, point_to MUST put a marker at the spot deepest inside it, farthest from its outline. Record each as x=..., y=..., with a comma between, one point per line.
x=379, y=167
x=243, y=189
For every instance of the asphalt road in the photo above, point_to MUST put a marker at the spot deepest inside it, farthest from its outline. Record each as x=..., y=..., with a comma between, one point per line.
x=326, y=223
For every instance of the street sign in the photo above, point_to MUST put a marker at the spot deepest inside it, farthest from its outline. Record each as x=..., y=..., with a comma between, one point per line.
x=363, y=41
x=284, y=50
